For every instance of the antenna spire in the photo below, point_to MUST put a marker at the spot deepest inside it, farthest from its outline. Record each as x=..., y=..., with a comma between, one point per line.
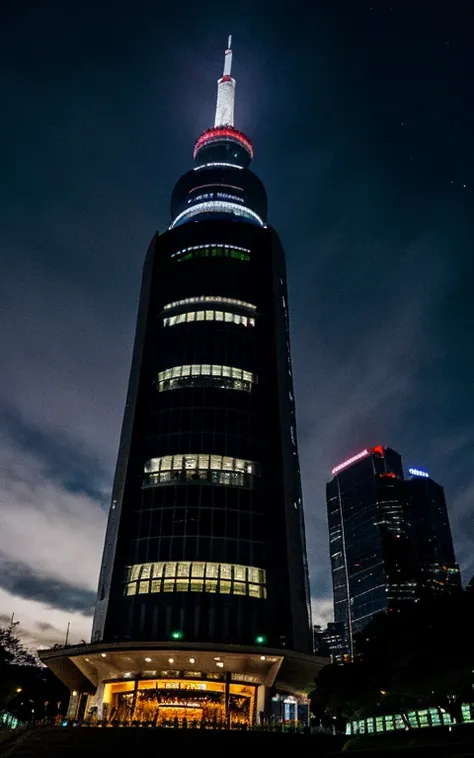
x=226, y=91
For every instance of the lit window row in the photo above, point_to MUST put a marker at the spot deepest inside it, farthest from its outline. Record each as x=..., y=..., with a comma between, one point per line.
x=186, y=576
x=212, y=251
x=230, y=318
x=203, y=375
x=212, y=469
x=196, y=570
x=196, y=585
x=210, y=299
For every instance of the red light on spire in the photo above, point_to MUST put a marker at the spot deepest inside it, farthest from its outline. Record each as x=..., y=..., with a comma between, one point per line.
x=223, y=132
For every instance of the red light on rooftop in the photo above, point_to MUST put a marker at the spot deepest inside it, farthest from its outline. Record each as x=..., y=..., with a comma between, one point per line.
x=379, y=449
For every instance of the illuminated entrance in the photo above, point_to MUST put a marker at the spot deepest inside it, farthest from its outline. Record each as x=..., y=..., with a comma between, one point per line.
x=181, y=702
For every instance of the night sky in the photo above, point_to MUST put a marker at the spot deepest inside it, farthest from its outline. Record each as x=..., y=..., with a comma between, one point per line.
x=362, y=118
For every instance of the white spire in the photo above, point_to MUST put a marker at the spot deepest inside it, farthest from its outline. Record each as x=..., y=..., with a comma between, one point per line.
x=226, y=92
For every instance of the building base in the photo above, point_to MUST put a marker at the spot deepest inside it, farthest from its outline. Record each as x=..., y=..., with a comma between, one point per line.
x=177, y=684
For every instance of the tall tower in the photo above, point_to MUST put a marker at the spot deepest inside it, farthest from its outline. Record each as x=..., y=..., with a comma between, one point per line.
x=205, y=536
x=204, y=557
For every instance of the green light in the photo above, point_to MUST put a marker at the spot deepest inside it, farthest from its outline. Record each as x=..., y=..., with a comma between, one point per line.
x=177, y=635
x=260, y=639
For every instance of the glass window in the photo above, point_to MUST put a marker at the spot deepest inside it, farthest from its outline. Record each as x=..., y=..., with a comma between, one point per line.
x=146, y=571
x=134, y=572
x=212, y=570
x=197, y=569
x=239, y=573
x=184, y=569
x=218, y=578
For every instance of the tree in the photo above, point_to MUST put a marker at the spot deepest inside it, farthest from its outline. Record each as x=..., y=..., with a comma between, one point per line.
x=419, y=658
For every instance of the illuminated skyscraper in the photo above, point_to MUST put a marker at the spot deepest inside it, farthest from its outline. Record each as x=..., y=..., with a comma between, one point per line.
x=372, y=556
x=389, y=537
x=205, y=545
x=438, y=572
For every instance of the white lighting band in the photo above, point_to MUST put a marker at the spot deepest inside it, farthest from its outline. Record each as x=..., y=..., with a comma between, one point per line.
x=217, y=206
x=210, y=299
x=224, y=165
x=349, y=461
x=210, y=245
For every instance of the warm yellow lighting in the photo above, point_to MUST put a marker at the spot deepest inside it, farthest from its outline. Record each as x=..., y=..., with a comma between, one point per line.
x=262, y=657
x=103, y=655
x=170, y=660
x=220, y=664
x=128, y=673
x=192, y=660
x=148, y=660
x=19, y=689
x=74, y=693
x=383, y=692
x=217, y=658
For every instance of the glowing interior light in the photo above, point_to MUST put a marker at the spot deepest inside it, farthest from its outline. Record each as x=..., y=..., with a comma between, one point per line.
x=192, y=660
x=220, y=664
x=417, y=472
x=148, y=660
x=170, y=660
x=103, y=655
x=349, y=461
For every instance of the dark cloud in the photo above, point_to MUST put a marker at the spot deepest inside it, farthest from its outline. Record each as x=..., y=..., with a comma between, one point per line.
x=19, y=580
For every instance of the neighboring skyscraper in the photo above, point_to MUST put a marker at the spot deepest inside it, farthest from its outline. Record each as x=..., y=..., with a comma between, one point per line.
x=390, y=540
x=372, y=556
x=331, y=642
x=205, y=545
x=438, y=571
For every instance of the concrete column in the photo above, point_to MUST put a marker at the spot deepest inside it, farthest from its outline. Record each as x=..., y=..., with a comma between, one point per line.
x=73, y=705
x=260, y=703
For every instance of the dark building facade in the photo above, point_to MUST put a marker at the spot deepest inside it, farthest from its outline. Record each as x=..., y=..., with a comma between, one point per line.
x=438, y=572
x=331, y=642
x=389, y=537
